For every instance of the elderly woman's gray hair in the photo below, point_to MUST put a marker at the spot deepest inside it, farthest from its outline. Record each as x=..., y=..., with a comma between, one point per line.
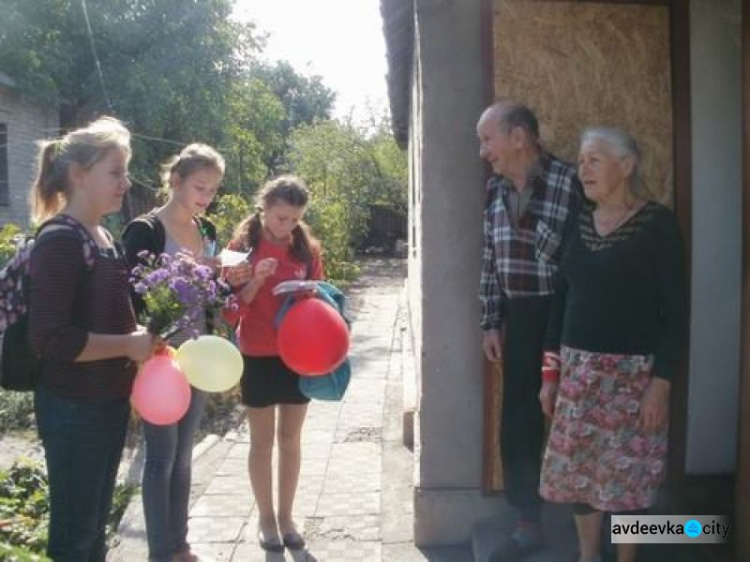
x=622, y=144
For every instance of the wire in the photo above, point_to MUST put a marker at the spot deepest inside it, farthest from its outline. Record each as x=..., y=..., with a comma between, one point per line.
x=96, y=57
x=148, y=186
x=169, y=141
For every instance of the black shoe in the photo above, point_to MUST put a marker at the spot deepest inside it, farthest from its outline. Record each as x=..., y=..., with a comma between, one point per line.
x=270, y=544
x=294, y=541
x=510, y=550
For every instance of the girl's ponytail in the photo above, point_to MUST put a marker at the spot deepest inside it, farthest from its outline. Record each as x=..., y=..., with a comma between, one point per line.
x=247, y=234
x=49, y=184
x=304, y=246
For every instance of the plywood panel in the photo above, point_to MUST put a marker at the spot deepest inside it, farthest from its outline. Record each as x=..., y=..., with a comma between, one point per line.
x=582, y=64
x=493, y=468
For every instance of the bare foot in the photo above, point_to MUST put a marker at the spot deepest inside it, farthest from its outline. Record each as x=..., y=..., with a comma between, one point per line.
x=287, y=526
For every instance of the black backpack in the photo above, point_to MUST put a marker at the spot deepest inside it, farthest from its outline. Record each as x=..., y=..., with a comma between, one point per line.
x=20, y=369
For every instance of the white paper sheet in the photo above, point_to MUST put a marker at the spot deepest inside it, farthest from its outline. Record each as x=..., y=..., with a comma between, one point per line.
x=231, y=258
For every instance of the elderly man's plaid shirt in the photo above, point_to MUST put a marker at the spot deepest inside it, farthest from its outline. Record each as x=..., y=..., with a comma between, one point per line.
x=521, y=259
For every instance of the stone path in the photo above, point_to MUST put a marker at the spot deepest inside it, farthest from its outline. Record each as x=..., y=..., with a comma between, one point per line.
x=354, y=500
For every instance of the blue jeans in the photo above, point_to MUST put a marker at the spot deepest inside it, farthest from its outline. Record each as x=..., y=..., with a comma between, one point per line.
x=166, y=480
x=82, y=444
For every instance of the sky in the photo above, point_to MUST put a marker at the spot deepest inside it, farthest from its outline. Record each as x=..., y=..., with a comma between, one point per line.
x=340, y=40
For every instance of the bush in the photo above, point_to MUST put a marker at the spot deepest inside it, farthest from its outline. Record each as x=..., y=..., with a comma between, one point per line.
x=16, y=410
x=24, y=511
x=24, y=508
x=8, y=237
x=120, y=500
x=10, y=553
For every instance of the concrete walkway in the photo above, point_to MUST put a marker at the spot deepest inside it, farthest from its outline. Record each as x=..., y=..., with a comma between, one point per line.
x=355, y=496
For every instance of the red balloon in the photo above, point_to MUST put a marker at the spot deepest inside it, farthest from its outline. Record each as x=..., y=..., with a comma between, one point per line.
x=313, y=338
x=161, y=393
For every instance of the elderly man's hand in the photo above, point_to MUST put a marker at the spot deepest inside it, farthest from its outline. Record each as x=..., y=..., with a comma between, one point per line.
x=655, y=404
x=492, y=344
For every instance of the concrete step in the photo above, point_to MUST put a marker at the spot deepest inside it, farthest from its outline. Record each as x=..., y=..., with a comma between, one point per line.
x=559, y=531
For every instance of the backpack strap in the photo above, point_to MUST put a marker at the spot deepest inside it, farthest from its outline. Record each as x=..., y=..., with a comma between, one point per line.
x=207, y=228
x=90, y=249
x=147, y=233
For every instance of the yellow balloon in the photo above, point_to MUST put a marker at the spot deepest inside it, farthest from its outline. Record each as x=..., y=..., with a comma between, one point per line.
x=183, y=354
x=210, y=363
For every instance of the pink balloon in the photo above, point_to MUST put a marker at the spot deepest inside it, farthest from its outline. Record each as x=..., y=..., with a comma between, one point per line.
x=161, y=393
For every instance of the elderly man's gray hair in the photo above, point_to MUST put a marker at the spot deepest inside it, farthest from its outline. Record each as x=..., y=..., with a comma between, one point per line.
x=512, y=114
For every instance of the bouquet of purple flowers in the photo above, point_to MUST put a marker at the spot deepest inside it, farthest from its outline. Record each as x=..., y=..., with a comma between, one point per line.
x=177, y=292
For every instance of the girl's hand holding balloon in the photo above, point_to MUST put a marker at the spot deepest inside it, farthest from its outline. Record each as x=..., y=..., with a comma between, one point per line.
x=143, y=345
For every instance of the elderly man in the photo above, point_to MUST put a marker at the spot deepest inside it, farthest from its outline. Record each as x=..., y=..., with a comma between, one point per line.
x=531, y=198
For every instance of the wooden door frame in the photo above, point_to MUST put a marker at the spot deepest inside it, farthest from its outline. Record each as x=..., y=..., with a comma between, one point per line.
x=682, y=169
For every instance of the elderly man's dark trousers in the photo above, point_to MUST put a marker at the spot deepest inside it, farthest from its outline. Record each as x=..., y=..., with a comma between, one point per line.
x=522, y=427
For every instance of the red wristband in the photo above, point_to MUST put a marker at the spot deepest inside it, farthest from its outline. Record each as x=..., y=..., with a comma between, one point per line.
x=550, y=366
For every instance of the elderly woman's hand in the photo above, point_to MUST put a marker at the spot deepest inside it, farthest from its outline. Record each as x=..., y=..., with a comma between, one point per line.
x=547, y=397
x=655, y=405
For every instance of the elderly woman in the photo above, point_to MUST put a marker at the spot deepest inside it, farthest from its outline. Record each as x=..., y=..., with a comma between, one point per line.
x=616, y=332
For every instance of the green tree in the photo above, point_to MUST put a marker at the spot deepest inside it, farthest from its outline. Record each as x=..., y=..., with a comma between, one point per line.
x=348, y=169
x=305, y=100
x=255, y=132
x=167, y=67
x=230, y=210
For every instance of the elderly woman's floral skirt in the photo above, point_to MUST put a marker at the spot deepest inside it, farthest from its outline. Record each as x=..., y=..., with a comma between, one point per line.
x=596, y=453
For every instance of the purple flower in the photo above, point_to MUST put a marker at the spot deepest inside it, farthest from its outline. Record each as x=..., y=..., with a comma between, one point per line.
x=176, y=291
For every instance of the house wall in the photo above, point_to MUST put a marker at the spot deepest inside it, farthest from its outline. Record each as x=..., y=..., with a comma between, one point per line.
x=444, y=271
x=717, y=235
x=414, y=276
x=26, y=124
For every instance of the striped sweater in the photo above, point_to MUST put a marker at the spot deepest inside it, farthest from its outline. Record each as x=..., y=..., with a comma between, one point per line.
x=67, y=301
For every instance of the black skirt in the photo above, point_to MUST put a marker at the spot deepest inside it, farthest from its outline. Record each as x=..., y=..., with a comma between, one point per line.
x=267, y=381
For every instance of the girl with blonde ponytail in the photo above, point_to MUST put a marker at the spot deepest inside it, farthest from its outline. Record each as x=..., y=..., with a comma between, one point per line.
x=82, y=326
